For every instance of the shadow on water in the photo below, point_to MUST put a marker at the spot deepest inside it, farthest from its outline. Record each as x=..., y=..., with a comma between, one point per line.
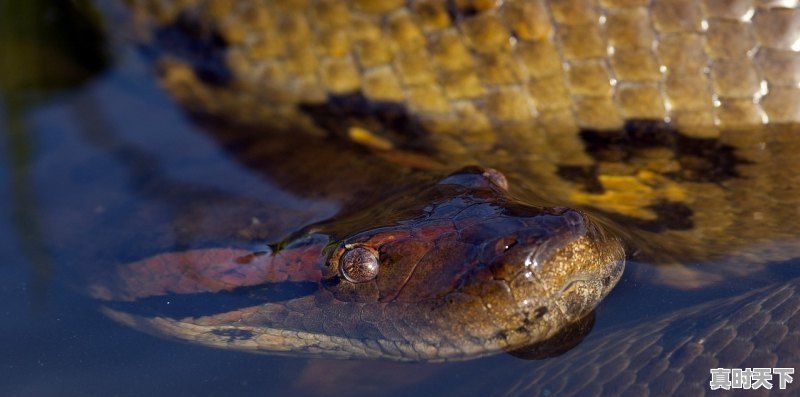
x=53, y=342
x=45, y=48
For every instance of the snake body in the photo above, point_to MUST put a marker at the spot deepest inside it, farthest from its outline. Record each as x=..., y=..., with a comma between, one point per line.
x=672, y=117
x=645, y=110
x=467, y=75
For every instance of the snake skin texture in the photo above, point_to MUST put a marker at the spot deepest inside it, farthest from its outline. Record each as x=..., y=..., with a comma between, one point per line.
x=474, y=72
x=547, y=92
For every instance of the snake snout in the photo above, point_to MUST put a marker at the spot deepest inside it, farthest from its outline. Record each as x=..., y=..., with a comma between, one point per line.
x=561, y=265
x=584, y=269
x=531, y=248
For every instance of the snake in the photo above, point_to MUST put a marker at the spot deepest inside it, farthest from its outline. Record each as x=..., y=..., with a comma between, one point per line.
x=391, y=280
x=660, y=115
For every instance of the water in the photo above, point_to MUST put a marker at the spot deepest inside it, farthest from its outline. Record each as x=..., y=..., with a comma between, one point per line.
x=98, y=168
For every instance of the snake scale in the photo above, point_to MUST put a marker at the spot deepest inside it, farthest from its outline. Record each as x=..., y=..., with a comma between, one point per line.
x=637, y=108
x=676, y=119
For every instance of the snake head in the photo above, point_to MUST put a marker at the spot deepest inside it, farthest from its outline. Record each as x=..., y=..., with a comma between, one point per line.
x=548, y=268
x=472, y=266
x=455, y=269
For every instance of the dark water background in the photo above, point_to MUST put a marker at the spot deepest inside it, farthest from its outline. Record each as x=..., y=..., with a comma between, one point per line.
x=90, y=153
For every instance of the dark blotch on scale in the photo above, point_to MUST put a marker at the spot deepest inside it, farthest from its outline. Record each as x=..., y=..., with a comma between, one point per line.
x=199, y=45
x=388, y=120
x=701, y=160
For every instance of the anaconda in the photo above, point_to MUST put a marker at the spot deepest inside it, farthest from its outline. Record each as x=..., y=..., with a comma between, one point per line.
x=394, y=275
x=501, y=84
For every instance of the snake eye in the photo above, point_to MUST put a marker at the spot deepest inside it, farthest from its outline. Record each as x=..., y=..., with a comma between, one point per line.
x=359, y=264
x=504, y=244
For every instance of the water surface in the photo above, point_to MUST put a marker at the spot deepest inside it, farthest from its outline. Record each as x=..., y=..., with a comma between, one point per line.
x=99, y=167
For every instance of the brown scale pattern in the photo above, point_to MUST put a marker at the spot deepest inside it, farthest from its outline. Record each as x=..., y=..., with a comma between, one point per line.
x=509, y=84
x=465, y=69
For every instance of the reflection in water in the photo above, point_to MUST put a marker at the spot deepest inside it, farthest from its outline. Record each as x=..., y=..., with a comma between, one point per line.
x=45, y=47
x=24, y=215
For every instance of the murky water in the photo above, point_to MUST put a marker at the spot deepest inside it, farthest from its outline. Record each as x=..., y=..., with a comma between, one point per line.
x=99, y=167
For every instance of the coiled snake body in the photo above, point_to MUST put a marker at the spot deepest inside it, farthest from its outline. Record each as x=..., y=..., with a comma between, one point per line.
x=674, y=118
